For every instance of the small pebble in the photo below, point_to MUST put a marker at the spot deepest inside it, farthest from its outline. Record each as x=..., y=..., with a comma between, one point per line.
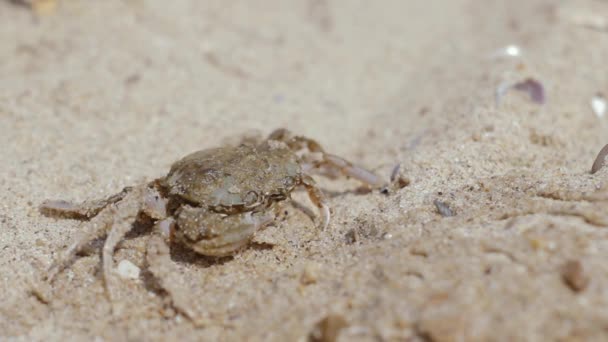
x=509, y=51
x=351, y=236
x=512, y=51
x=310, y=273
x=574, y=275
x=443, y=209
x=598, y=104
x=127, y=270
x=328, y=329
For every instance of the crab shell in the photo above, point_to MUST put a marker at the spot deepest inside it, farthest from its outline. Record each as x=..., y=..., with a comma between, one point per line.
x=233, y=180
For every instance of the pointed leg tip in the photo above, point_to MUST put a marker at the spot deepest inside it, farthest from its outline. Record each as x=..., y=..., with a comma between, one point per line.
x=325, y=217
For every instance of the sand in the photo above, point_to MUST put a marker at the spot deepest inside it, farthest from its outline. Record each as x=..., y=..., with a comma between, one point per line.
x=95, y=96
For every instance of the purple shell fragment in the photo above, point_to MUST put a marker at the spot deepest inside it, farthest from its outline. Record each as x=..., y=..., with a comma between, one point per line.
x=535, y=90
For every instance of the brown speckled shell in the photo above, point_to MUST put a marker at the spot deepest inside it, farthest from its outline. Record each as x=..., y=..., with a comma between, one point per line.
x=235, y=179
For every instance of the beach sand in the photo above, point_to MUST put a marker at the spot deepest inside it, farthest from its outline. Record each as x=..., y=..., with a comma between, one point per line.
x=95, y=96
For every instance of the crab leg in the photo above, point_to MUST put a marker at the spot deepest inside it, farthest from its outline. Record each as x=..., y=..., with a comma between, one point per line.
x=125, y=213
x=332, y=162
x=118, y=218
x=92, y=230
x=83, y=211
x=349, y=169
x=295, y=142
x=332, y=166
x=318, y=198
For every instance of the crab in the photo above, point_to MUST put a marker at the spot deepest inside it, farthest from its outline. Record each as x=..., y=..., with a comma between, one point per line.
x=212, y=201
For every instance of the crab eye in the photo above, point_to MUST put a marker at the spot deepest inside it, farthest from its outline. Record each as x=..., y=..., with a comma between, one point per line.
x=251, y=198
